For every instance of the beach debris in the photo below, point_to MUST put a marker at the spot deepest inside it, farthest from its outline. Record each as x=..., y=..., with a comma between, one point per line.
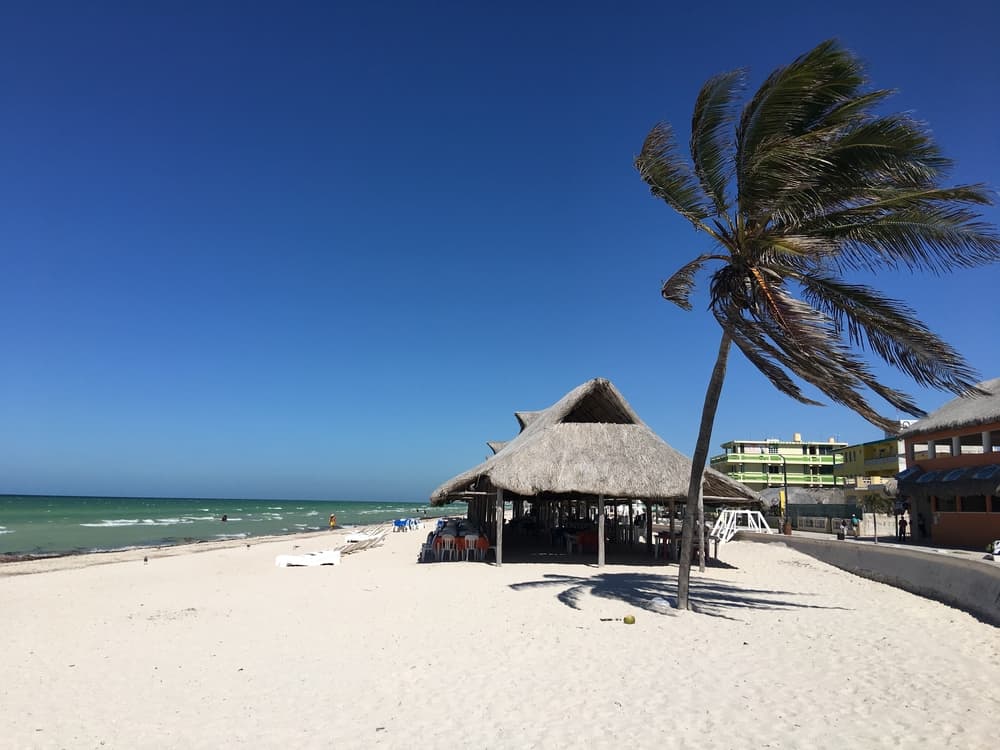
x=659, y=604
x=627, y=619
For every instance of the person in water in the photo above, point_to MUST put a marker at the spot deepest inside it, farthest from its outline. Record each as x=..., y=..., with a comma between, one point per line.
x=333, y=520
x=225, y=517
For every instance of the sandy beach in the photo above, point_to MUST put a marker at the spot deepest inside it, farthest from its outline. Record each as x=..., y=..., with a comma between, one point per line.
x=214, y=646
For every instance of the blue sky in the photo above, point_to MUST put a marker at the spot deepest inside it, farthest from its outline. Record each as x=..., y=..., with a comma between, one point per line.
x=321, y=250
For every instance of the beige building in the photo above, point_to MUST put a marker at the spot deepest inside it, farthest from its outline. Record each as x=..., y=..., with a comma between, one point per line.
x=864, y=468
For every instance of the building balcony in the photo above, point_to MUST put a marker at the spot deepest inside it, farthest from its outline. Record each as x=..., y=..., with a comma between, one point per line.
x=892, y=463
x=770, y=458
x=777, y=480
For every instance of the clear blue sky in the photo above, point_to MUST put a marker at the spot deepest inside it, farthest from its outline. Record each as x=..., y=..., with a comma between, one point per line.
x=321, y=251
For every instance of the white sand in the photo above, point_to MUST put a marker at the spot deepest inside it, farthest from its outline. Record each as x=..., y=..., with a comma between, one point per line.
x=222, y=649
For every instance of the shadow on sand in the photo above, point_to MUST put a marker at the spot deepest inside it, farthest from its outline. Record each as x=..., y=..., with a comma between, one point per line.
x=658, y=593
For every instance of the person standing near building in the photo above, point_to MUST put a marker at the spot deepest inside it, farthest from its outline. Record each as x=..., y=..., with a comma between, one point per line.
x=902, y=529
x=855, y=526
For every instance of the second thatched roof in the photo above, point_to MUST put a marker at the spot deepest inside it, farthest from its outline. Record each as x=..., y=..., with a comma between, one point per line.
x=964, y=411
x=590, y=442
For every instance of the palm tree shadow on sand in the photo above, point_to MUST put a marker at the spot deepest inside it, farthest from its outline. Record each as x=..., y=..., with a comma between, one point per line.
x=658, y=593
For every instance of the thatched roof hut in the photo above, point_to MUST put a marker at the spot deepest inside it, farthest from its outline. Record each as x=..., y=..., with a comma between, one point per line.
x=589, y=443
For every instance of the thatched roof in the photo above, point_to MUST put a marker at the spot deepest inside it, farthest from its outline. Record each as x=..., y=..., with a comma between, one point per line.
x=590, y=442
x=964, y=411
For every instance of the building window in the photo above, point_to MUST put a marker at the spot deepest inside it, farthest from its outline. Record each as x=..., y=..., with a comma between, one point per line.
x=944, y=504
x=995, y=505
x=772, y=448
x=974, y=504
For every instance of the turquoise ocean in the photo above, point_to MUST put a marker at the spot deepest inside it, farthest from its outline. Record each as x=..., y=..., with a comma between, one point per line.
x=54, y=525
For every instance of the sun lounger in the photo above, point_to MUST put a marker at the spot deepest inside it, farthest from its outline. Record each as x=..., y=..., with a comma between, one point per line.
x=325, y=557
x=355, y=542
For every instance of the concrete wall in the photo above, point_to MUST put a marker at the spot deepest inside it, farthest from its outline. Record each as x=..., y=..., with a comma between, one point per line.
x=969, y=585
x=882, y=524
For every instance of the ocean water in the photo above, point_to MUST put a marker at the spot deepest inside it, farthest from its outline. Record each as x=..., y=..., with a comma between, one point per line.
x=48, y=525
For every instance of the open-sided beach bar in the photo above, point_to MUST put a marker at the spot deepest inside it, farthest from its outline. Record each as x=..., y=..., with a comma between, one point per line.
x=586, y=461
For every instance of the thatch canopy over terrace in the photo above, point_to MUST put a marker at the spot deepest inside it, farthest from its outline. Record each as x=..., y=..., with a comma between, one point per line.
x=972, y=410
x=590, y=445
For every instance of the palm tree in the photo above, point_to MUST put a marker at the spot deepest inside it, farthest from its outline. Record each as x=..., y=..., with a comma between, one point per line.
x=806, y=183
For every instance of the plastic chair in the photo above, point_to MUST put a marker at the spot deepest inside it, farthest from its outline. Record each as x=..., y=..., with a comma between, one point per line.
x=471, y=540
x=482, y=546
x=445, y=546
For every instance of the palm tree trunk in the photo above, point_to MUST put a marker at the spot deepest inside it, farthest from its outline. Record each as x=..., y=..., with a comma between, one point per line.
x=694, y=508
x=701, y=524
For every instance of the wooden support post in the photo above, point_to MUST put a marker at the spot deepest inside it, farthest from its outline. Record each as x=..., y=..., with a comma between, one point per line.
x=600, y=531
x=499, y=527
x=649, y=527
x=673, y=506
x=701, y=530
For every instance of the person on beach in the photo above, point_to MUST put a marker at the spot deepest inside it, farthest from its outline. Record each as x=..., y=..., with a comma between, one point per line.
x=902, y=529
x=333, y=520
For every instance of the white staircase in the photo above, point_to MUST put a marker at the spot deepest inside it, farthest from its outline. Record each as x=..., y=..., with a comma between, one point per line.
x=731, y=521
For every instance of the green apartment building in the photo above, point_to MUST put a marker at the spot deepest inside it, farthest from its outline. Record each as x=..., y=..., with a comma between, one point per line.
x=771, y=462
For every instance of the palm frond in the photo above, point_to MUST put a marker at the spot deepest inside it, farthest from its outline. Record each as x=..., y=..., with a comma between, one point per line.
x=796, y=179
x=807, y=342
x=670, y=177
x=711, y=143
x=937, y=238
x=796, y=98
x=836, y=372
x=678, y=288
x=760, y=354
x=890, y=329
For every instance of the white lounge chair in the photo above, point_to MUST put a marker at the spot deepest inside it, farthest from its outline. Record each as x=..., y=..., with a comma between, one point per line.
x=325, y=557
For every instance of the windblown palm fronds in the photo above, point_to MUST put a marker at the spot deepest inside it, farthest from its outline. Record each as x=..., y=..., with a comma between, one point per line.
x=802, y=185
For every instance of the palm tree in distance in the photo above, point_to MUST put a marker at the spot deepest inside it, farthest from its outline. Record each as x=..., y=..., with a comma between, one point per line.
x=804, y=184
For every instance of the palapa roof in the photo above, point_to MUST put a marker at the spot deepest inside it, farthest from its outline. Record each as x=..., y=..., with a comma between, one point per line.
x=964, y=411
x=590, y=442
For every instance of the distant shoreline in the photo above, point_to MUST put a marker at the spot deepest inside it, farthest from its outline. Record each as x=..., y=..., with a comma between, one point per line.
x=44, y=562
x=45, y=527
x=210, y=499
